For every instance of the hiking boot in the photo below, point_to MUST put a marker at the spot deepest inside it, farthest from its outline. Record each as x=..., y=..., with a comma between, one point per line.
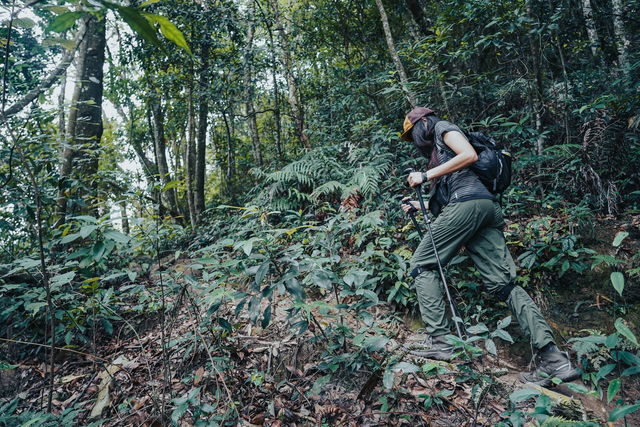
x=430, y=348
x=555, y=364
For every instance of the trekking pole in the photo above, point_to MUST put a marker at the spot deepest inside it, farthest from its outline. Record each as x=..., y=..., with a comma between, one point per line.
x=411, y=214
x=452, y=304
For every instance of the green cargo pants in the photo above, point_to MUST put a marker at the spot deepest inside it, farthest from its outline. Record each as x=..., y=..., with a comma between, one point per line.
x=477, y=225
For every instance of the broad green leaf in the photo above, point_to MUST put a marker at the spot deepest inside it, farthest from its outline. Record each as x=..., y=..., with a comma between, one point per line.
x=262, y=271
x=98, y=251
x=501, y=333
x=478, y=329
x=266, y=317
x=141, y=26
x=70, y=238
x=148, y=2
x=491, y=346
x=504, y=322
x=62, y=279
x=604, y=371
x=614, y=386
x=6, y=366
x=24, y=23
x=58, y=10
x=630, y=371
x=169, y=30
x=622, y=411
x=86, y=230
x=617, y=279
x=34, y=307
x=624, y=330
x=387, y=379
x=107, y=326
x=224, y=323
x=67, y=44
x=523, y=394
x=116, y=236
x=619, y=238
x=612, y=340
x=368, y=294
x=579, y=388
x=179, y=412
x=295, y=289
x=375, y=343
x=65, y=21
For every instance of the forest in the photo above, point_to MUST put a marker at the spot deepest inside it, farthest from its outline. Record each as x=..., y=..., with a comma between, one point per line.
x=200, y=216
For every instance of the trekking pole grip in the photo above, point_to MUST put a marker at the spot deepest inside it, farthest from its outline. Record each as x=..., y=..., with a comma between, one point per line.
x=418, y=194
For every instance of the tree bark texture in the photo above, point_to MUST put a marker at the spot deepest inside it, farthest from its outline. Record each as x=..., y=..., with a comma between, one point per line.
x=89, y=127
x=191, y=157
x=592, y=33
x=203, y=113
x=394, y=55
x=276, y=95
x=161, y=152
x=622, y=41
x=248, y=88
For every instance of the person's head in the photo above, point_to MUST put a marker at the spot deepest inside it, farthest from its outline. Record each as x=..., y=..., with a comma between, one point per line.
x=418, y=128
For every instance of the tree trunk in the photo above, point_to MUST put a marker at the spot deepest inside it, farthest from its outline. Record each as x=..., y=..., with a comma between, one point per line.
x=591, y=27
x=248, y=88
x=537, y=104
x=191, y=156
x=124, y=217
x=203, y=114
x=294, y=101
x=67, y=150
x=276, y=95
x=161, y=153
x=394, y=55
x=417, y=12
x=621, y=38
x=89, y=128
x=231, y=161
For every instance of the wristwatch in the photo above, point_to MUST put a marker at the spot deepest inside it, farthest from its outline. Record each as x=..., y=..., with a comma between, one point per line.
x=425, y=178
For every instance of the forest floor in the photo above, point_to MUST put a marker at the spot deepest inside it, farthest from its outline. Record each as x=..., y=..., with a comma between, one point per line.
x=270, y=377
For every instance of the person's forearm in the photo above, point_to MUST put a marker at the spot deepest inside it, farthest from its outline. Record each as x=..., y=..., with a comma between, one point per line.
x=459, y=162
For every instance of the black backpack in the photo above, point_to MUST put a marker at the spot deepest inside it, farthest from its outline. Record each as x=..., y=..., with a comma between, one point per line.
x=494, y=165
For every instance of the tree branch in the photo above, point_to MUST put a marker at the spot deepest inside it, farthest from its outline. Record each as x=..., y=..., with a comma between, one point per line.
x=33, y=94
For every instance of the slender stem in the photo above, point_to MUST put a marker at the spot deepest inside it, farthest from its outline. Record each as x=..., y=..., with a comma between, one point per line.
x=45, y=278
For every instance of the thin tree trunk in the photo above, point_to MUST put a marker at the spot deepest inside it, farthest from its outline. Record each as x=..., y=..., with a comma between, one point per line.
x=161, y=153
x=591, y=27
x=537, y=104
x=191, y=157
x=231, y=160
x=67, y=150
x=418, y=14
x=124, y=217
x=276, y=95
x=248, y=88
x=622, y=41
x=203, y=114
x=89, y=127
x=294, y=101
x=394, y=55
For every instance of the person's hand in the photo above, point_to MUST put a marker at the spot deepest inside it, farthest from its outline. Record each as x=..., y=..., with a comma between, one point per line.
x=414, y=178
x=406, y=207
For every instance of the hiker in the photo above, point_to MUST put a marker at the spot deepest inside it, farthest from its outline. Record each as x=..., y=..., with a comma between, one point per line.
x=471, y=217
